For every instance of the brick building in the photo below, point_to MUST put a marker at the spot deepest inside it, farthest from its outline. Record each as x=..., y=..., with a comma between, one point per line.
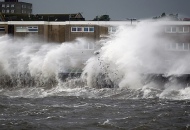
x=15, y=7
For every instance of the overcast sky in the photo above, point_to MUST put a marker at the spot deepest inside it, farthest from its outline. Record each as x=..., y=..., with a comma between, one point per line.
x=117, y=9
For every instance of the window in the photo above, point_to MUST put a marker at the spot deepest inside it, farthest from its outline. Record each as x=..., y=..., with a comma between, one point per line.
x=180, y=46
x=12, y=5
x=27, y=29
x=33, y=29
x=91, y=29
x=3, y=5
x=180, y=29
x=86, y=29
x=7, y=11
x=23, y=6
x=177, y=47
x=183, y=29
x=186, y=46
x=73, y=29
x=2, y=29
x=82, y=29
x=88, y=46
x=7, y=5
x=3, y=11
x=112, y=29
x=12, y=11
x=79, y=29
x=171, y=29
x=21, y=29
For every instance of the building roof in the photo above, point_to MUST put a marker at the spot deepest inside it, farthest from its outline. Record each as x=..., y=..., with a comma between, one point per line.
x=43, y=17
x=10, y=0
x=102, y=23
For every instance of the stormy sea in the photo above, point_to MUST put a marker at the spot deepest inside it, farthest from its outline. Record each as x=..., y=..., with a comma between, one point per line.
x=125, y=81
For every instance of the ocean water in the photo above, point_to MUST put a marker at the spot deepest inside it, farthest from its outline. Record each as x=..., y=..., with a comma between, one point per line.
x=100, y=111
x=127, y=81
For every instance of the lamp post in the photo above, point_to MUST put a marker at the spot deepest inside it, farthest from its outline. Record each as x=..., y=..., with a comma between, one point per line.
x=131, y=19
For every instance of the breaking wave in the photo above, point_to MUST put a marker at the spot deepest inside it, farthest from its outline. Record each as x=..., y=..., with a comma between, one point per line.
x=132, y=63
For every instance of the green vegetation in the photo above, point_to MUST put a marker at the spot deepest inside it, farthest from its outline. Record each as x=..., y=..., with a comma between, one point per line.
x=102, y=18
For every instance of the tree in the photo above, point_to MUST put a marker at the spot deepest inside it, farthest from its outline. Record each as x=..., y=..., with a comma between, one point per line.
x=102, y=18
x=163, y=15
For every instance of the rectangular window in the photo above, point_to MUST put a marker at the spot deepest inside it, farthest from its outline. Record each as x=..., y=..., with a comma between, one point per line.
x=82, y=29
x=91, y=29
x=32, y=29
x=21, y=29
x=180, y=46
x=12, y=11
x=171, y=29
x=186, y=29
x=73, y=29
x=3, y=11
x=87, y=46
x=2, y=29
x=12, y=5
x=186, y=46
x=180, y=29
x=79, y=29
x=112, y=29
x=183, y=29
x=3, y=5
x=7, y=11
x=27, y=29
x=7, y=5
x=86, y=29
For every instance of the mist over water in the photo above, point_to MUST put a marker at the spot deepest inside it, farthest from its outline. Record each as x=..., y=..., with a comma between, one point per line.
x=116, y=67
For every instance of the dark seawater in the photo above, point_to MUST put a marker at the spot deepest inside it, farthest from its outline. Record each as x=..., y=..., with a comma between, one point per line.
x=83, y=113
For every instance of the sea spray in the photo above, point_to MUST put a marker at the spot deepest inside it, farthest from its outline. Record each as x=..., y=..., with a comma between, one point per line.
x=34, y=63
x=129, y=54
x=131, y=63
x=137, y=57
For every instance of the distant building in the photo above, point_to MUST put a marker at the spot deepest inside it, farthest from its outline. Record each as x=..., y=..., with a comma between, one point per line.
x=42, y=17
x=15, y=7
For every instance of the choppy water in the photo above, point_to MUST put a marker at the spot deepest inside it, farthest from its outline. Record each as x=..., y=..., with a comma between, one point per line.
x=91, y=109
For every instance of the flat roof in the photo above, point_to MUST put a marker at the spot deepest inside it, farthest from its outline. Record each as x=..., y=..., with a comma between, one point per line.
x=103, y=23
x=27, y=23
x=2, y=23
